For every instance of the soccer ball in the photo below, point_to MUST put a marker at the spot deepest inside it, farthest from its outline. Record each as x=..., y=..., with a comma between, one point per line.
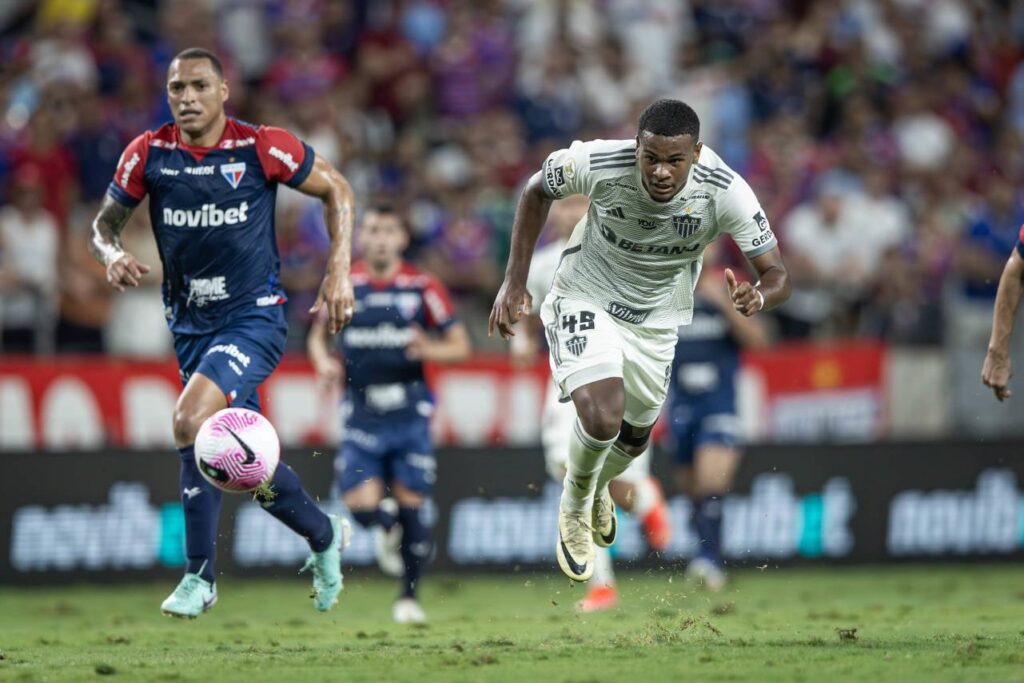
x=237, y=450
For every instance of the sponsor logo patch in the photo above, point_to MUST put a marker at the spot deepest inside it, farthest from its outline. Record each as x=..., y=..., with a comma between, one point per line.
x=203, y=290
x=206, y=216
x=761, y=221
x=128, y=168
x=285, y=158
x=570, y=169
x=628, y=313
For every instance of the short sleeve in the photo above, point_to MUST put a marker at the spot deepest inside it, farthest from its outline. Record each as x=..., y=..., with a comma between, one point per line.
x=284, y=158
x=129, y=184
x=741, y=215
x=567, y=171
x=437, y=304
x=1020, y=242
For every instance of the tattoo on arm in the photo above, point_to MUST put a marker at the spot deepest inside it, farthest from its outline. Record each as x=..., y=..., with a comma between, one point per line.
x=107, y=228
x=339, y=219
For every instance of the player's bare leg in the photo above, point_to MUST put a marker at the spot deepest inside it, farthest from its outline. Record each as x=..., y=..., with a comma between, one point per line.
x=414, y=552
x=600, y=406
x=706, y=482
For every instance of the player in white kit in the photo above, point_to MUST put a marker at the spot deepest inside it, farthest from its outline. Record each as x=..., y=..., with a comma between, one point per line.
x=636, y=491
x=624, y=285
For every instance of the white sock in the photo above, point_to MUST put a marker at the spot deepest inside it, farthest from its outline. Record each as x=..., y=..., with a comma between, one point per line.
x=617, y=462
x=645, y=497
x=586, y=457
x=604, y=575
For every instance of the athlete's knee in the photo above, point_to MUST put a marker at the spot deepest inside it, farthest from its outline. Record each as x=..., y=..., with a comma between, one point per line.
x=188, y=419
x=633, y=440
x=600, y=416
x=406, y=497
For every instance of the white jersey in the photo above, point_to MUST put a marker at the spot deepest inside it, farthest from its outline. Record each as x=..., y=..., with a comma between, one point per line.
x=634, y=257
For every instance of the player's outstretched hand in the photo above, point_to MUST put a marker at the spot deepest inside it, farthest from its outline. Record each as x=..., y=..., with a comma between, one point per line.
x=996, y=373
x=745, y=298
x=337, y=297
x=512, y=302
x=125, y=271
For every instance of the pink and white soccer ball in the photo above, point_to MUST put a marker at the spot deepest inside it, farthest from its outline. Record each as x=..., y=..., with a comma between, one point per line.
x=237, y=449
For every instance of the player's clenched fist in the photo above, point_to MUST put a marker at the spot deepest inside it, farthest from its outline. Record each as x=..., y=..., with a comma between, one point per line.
x=996, y=373
x=746, y=298
x=337, y=296
x=512, y=302
x=125, y=270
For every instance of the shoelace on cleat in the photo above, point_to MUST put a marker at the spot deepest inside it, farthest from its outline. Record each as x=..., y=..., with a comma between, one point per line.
x=603, y=510
x=188, y=586
x=577, y=544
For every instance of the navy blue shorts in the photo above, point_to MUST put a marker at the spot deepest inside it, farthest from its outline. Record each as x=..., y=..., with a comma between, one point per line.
x=697, y=423
x=397, y=452
x=238, y=357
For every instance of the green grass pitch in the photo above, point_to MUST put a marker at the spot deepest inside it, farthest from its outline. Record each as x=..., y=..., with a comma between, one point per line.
x=911, y=623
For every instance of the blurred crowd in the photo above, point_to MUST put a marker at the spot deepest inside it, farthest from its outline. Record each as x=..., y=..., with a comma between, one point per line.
x=883, y=138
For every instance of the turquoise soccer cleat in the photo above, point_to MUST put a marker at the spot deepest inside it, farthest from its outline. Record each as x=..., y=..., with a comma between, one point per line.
x=192, y=597
x=326, y=566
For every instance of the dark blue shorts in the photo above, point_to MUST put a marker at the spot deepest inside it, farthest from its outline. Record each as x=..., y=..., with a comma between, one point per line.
x=394, y=452
x=697, y=423
x=238, y=357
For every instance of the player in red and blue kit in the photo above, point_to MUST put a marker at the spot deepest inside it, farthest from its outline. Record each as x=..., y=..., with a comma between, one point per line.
x=703, y=414
x=997, y=367
x=403, y=318
x=212, y=184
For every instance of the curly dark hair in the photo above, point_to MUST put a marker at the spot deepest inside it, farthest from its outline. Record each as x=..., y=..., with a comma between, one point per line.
x=670, y=118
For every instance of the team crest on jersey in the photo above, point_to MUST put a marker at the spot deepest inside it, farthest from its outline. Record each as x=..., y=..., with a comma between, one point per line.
x=686, y=225
x=576, y=345
x=408, y=305
x=233, y=173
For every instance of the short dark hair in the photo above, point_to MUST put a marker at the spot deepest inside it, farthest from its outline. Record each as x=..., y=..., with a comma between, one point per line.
x=384, y=208
x=202, y=53
x=670, y=118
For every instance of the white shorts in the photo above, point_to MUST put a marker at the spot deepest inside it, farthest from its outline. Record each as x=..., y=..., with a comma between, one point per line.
x=588, y=345
x=555, y=432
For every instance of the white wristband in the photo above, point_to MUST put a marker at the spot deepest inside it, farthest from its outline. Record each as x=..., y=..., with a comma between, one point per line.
x=761, y=307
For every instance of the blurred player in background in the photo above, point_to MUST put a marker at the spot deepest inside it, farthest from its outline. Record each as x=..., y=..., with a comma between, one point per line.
x=703, y=416
x=212, y=185
x=635, y=491
x=403, y=319
x=623, y=286
x=998, y=366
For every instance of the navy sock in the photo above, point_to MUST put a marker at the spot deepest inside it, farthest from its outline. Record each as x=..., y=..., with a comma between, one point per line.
x=201, y=503
x=707, y=521
x=415, y=548
x=369, y=519
x=290, y=503
x=365, y=518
